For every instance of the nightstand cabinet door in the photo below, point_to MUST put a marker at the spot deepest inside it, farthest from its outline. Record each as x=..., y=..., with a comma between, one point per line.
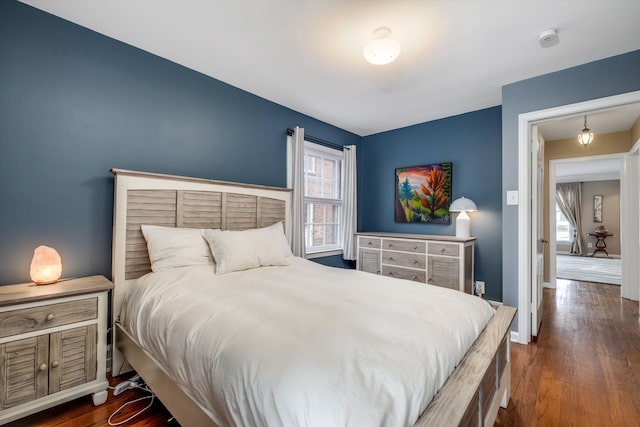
x=24, y=370
x=72, y=358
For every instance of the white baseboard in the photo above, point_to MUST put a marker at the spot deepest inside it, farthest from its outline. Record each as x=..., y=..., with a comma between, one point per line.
x=515, y=337
x=548, y=285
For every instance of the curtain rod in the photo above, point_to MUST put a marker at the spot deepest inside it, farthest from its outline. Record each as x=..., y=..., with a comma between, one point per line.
x=319, y=141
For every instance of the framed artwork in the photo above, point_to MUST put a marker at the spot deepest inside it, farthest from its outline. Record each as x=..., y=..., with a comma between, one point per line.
x=423, y=194
x=597, y=208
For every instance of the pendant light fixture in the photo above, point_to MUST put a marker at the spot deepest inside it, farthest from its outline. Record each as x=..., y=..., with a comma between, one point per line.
x=585, y=137
x=381, y=50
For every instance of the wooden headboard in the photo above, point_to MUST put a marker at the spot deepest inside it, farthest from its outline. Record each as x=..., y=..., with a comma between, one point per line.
x=176, y=201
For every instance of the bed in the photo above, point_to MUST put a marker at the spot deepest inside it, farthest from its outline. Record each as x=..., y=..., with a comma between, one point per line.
x=472, y=385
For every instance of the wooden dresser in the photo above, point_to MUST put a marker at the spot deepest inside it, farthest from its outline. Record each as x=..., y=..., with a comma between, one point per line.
x=52, y=344
x=445, y=261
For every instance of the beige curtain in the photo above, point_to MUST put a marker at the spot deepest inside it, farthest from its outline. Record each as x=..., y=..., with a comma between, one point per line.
x=569, y=200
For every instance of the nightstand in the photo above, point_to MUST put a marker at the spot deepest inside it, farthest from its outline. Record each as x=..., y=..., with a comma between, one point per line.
x=53, y=344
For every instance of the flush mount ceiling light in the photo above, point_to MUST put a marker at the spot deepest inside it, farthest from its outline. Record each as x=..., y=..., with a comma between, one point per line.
x=548, y=38
x=381, y=50
x=585, y=137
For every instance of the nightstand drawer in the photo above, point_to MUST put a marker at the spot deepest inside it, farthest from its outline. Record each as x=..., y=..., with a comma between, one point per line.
x=404, y=245
x=47, y=316
x=443, y=249
x=404, y=273
x=404, y=259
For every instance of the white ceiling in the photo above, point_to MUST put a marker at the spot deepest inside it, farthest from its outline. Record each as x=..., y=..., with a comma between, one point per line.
x=307, y=55
x=589, y=170
x=600, y=122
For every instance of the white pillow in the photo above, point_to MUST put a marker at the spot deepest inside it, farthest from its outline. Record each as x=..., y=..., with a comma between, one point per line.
x=242, y=250
x=172, y=247
x=277, y=230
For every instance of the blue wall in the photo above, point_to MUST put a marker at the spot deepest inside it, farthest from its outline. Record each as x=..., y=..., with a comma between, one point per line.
x=472, y=142
x=74, y=104
x=607, y=77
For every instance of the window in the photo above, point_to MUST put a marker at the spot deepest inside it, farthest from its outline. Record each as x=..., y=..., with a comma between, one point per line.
x=322, y=197
x=564, y=231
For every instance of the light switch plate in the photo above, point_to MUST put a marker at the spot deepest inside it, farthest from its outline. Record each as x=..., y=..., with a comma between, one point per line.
x=512, y=197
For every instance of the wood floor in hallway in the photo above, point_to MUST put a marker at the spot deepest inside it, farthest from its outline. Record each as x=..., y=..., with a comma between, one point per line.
x=584, y=368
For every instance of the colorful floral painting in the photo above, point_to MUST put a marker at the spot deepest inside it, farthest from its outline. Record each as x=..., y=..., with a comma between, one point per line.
x=423, y=194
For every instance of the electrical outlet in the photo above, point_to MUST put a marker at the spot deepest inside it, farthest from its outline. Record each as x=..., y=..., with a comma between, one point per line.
x=589, y=245
x=479, y=288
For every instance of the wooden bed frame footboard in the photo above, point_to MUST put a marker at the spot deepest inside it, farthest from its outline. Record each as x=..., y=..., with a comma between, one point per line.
x=471, y=396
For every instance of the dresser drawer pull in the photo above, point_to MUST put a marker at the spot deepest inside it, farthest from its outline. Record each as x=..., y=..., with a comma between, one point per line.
x=391, y=273
x=415, y=248
x=415, y=277
x=390, y=245
x=415, y=261
x=370, y=243
x=390, y=258
x=442, y=250
x=55, y=364
x=50, y=317
x=43, y=367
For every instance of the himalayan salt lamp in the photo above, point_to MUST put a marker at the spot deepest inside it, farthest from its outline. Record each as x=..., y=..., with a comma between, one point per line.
x=46, y=266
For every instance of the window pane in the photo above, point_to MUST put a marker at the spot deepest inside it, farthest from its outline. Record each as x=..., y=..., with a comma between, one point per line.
x=321, y=225
x=564, y=231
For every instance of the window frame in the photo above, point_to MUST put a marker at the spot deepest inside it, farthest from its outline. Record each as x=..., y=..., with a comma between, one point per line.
x=332, y=154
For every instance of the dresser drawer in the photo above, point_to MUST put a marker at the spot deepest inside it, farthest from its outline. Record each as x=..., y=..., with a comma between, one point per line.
x=404, y=259
x=368, y=242
x=444, y=249
x=404, y=273
x=404, y=245
x=47, y=316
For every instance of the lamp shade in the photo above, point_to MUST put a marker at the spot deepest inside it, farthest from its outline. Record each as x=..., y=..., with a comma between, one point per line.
x=46, y=265
x=463, y=204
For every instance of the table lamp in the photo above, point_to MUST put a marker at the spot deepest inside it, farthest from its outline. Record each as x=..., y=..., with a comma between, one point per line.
x=463, y=222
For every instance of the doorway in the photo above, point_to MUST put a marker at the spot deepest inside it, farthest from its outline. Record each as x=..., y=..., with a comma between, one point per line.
x=527, y=218
x=586, y=169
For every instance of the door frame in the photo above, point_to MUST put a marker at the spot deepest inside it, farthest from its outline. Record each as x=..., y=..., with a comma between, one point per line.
x=629, y=222
x=525, y=204
x=552, y=202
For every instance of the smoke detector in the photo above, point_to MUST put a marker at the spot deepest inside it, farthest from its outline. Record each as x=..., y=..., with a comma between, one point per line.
x=548, y=38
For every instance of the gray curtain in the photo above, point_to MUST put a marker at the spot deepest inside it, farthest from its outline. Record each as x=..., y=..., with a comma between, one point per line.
x=569, y=200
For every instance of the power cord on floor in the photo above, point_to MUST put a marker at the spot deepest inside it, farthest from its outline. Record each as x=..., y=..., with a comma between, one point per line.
x=141, y=387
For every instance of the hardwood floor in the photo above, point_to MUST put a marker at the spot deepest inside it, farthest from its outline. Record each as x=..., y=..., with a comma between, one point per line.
x=584, y=370
x=82, y=413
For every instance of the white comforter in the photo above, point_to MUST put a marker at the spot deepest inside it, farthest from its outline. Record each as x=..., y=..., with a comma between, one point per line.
x=305, y=344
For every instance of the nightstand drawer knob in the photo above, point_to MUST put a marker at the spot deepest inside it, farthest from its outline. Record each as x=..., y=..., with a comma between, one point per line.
x=55, y=364
x=442, y=250
x=50, y=316
x=43, y=367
